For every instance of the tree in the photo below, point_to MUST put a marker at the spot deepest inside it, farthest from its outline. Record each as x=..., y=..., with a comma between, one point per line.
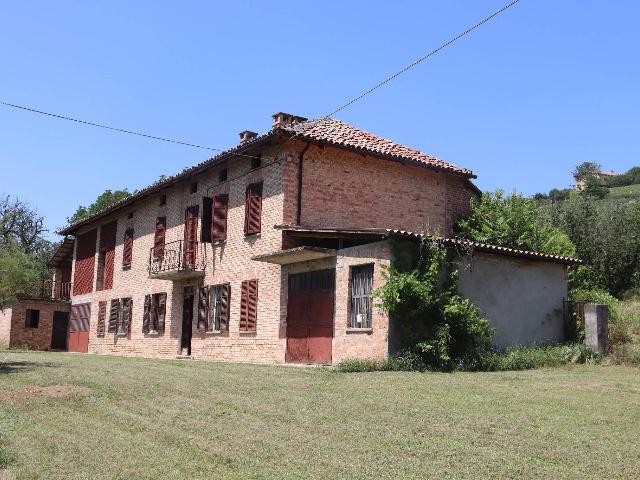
x=20, y=224
x=104, y=200
x=607, y=238
x=595, y=188
x=24, y=252
x=587, y=170
x=513, y=221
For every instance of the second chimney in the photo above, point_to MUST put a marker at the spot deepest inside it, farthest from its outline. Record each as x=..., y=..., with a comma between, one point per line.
x=247, y=135
x=282, y=119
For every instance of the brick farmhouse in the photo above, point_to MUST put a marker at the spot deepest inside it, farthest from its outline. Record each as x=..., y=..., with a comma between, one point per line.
x=269, y=253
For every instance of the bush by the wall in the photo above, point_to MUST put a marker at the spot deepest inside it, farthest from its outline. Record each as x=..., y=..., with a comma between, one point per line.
x=514, y=358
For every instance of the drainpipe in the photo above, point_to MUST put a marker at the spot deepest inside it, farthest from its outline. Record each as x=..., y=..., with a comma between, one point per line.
x=299, y=205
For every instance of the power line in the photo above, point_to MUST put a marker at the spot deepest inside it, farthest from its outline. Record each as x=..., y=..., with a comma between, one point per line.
x=116, y=129
x=408, y=67
x=321, y=119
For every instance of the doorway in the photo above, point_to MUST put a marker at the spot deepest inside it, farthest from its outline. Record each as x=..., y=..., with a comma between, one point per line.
x=59, y=330
x=187, y=320
x=310, y=317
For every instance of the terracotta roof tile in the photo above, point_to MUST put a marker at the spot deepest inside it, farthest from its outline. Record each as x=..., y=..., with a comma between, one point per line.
x=342, y=134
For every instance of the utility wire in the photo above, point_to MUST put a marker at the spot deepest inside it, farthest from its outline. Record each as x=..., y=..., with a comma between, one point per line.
x=320, y=120
x=116, y=129
x=407, y=68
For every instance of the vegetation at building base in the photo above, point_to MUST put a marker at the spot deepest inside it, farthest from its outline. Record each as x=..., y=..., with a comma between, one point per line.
x=444, y=330
x=489, y=360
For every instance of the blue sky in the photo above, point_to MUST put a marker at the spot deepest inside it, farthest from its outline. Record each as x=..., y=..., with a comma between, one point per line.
x=521, y=101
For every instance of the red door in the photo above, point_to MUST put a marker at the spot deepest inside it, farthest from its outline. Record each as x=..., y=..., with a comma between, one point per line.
x=79, y=328
x=191, y=236
x=310, y=317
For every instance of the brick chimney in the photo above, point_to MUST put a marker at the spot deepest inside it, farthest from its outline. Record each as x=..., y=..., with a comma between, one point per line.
x=282, y=119
x=247, y=135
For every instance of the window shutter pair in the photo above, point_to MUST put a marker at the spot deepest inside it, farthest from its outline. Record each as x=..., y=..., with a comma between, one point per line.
x=249, y=306
x=253, y=209
x=154, y=313
x=213, y=308
x=127, y=251
x=158, y=239
x=102, y=314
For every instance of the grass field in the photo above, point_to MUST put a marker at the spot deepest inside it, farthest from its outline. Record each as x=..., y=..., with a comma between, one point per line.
x=629, y=191
x=90, y=417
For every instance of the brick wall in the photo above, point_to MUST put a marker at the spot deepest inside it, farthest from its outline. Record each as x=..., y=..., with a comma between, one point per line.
x=348, y=343
x=340, y=189
x=346, y=189
x=38, y=338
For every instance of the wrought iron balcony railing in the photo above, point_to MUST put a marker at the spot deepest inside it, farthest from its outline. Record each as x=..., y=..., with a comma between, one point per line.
x=177, y=260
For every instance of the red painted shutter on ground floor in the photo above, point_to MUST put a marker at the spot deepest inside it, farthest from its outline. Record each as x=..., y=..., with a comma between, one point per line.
x=108, y=246
x=249, y=306
x=102, y=315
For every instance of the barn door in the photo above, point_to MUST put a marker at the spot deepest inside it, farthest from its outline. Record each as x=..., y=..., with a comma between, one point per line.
x=190, y=247
x=310, y=317
x=79, y=328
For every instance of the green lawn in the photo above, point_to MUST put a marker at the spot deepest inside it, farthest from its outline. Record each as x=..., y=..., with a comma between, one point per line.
x=110, y=417
x=629, y=191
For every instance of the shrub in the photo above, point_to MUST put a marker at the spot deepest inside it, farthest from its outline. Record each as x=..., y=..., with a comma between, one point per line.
x=513, y=358
x=440, y=326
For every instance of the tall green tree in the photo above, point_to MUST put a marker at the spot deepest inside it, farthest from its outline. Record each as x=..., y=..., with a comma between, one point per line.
x=513, y=221
x=104, y=200
x=24, y=251
x=587, y=170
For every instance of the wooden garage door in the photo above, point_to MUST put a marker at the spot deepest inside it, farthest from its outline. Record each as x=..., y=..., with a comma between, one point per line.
x=79, y=328
x=310, y=317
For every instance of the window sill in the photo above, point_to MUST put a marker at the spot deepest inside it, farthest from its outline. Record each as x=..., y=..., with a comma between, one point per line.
x=152, y=334
x=247, y=332
x=122, y=335
x=359, y=330
x=126, y=268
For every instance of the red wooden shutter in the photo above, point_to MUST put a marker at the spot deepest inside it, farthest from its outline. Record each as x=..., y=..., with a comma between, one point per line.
x=127, y=250
x=114, y=313
x=190, y=247
x=219, y=217
x=85, y=262
x=253, y=209
x=102, y=314
x=108, y=247
x=249, y=306
x=158, y=240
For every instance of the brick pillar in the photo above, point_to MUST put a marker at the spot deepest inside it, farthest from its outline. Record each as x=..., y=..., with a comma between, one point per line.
x=596, y=327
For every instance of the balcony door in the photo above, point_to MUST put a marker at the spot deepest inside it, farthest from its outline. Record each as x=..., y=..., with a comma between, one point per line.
x=190, y=247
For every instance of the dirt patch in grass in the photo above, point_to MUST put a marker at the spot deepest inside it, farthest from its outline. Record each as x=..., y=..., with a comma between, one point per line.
x=51, y=391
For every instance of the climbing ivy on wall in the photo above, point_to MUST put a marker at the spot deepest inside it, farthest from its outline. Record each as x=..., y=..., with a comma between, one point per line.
x=421, y=295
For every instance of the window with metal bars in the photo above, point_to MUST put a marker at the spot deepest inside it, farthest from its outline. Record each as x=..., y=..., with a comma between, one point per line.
x=361, y=301
x=219, y=308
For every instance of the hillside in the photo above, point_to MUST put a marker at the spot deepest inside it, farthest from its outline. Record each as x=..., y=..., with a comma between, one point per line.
x=628, y=191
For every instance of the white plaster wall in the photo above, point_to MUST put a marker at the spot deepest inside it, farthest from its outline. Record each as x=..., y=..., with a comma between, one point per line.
x=521, y=298
x=5, y=326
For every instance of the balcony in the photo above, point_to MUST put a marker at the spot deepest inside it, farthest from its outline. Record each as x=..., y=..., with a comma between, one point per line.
x=177, y=260
x=55, y=290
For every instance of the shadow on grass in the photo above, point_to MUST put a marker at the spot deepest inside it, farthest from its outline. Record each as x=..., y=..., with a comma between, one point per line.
x=8, y=365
